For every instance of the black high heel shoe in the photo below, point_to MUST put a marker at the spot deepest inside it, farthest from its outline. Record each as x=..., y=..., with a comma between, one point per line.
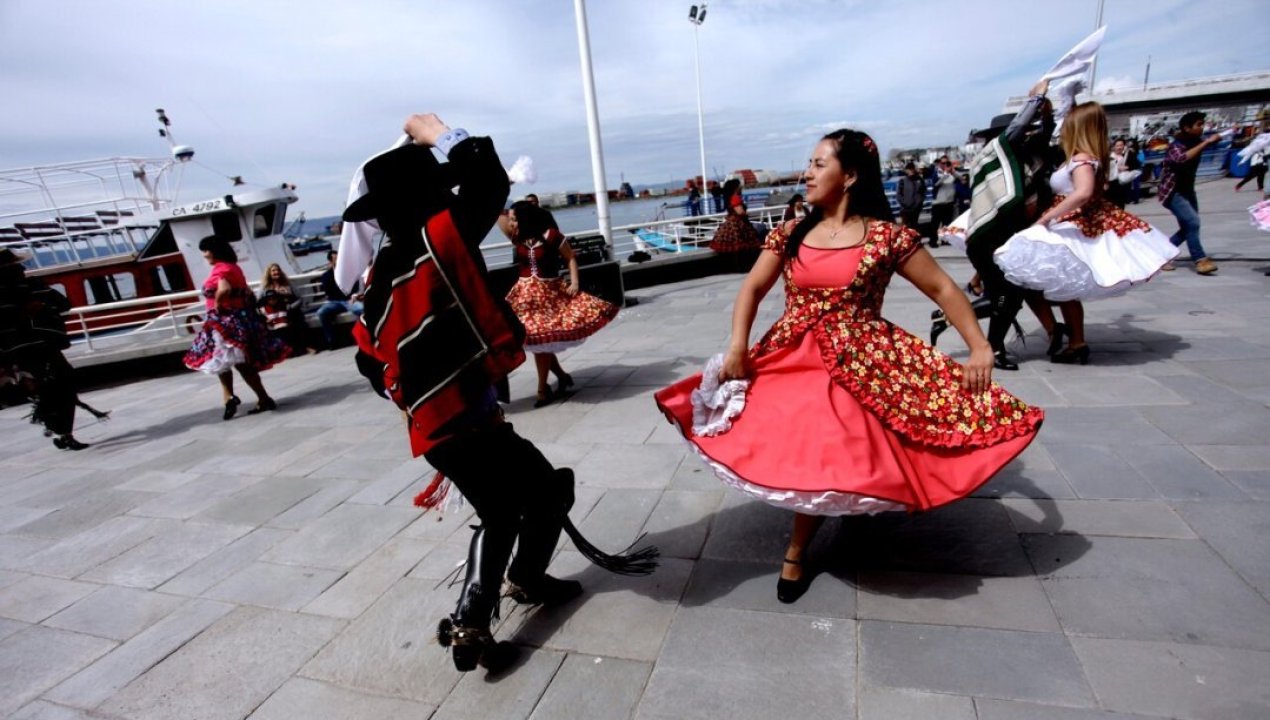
x=564, y=382
x=1071, y=356
x=231, y=406
x=1056, y=340
x=545, y=398
x=266, y=405
x=788, y=591
x=68, y=442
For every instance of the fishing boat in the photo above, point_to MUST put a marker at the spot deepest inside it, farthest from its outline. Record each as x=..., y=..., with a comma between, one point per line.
x=112, y=236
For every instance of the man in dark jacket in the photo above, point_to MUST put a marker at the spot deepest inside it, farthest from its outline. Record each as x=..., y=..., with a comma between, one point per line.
x=911, y=195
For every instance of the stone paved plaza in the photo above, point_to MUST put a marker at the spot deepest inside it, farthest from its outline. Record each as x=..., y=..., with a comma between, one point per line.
x=273, y=566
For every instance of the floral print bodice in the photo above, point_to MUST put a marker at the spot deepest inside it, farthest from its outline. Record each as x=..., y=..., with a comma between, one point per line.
x=912, y=387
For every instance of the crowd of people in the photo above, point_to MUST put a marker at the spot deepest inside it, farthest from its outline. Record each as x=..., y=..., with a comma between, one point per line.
x=866, y=417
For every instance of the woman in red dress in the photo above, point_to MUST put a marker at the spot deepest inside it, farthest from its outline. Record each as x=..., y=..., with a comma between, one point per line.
x=736, y=233
x=871, y=418
x=234, y=336
x=556, y=316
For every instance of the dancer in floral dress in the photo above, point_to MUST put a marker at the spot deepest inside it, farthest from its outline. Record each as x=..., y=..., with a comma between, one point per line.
x=234, y=336
x=736, y=233
x=556, y=316
x=842, y=412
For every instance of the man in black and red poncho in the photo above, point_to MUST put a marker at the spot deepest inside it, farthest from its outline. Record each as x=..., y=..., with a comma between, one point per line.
x=436, y=341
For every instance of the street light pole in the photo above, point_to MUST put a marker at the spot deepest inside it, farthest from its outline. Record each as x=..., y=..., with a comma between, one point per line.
x=696, y=17
x=593, y=127
x=1093, y=66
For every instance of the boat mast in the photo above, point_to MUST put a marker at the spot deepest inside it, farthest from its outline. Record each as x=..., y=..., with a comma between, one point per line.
x=593, y=127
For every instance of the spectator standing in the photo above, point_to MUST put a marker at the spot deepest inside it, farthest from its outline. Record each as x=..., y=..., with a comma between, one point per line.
x=1177, y=186
x=942, y=208
x=910, y=194
x=694, y=199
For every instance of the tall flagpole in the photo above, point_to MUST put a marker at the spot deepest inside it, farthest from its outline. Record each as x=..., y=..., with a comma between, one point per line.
x=593, y=127
x=701, y=121
x=1093, y=67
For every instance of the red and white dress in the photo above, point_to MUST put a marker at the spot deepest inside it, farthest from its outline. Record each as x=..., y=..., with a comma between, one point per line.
x=736, y=233
x=554, y=320
x=847, y=413
x=1097, y=251
x=235, y=335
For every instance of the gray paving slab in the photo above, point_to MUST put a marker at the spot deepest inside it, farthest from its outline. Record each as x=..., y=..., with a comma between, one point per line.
x=1007, y=603
x=224, y=562
x=629, y=466
x=1119, y=518
x=680, y=522
x=1177, y=474
x=343, y=537
x=617, y=616
x=312, y=700
x=35, y=598
x=9, y=627
x=1254, y=483
x=990, y=709
x=720, y=662
x=362, y=586
x=1180, y=681
x=1149, y=589
x=94, y=684
x=41, y=710
x=115, y=613
x=973, y=661
x=1100, y=426
x=238, y=662
x=282, y=587
x=752, y=586
x=882, y=703
x=593, y=687
x=513, y=697
x=16, y=517
x=37, y=658
x=1240, y=533
x=1096, y=471
x=1224, y=457
x=260, y=502
x=160, y=558
x=389, y=650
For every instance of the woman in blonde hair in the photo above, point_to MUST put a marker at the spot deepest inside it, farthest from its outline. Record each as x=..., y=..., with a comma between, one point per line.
x=1083, y=247
x=283, y=309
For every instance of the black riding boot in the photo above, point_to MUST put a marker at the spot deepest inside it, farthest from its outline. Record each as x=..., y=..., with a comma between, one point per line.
x=1004, y=309
x=467, y=631
x=539, y=533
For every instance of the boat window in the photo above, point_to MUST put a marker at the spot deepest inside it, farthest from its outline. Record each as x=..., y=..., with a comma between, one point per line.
x=169, y=278
x=110, y=288
x=225, y=226
x=263, y=221
x=60, y=288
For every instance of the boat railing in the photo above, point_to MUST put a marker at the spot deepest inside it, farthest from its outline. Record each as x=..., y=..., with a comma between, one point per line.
x=150, y=320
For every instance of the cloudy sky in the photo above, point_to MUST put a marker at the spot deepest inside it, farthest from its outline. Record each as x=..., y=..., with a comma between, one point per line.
x=280, y=90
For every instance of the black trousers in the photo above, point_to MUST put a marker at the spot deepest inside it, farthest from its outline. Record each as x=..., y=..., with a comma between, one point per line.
x=1006, y=297
x=55, y=395
x=1257, y=172
x=516, y=493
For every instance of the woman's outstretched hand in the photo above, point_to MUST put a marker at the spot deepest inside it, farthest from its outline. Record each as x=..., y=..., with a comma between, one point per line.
x=976, y=375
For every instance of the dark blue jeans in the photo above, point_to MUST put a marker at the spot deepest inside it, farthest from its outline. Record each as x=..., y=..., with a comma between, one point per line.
x=1185, y=207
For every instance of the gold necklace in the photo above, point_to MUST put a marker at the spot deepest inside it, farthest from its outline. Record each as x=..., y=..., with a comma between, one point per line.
x=833, y=234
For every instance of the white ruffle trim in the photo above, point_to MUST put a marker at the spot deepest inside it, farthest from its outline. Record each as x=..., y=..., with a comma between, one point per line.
x=554, y=347
x=954, y=233
x=1063, y=263
x=827, y=502
x=715, y=403
x=224, y=356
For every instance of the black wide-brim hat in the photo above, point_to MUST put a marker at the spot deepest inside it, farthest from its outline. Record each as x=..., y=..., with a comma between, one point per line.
x=996, y=127
x=405, y=180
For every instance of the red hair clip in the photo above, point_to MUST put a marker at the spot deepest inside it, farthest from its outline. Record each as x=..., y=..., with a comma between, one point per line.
x=868, y=145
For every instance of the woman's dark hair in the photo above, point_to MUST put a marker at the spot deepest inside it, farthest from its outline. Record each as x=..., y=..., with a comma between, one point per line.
x=731, y=188
x=858, y=155
x=797, y=198
x=531, y=221
x=220, y=249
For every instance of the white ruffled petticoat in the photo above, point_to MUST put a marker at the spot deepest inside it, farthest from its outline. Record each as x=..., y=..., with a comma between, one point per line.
x=224, y=358
x=1065, y=264
x=716, y=402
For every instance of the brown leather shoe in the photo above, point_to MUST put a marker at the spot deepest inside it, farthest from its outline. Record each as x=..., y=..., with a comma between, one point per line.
x=1204, y=266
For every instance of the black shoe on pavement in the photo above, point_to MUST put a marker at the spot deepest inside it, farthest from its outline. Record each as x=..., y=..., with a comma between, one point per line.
x=547, y=591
